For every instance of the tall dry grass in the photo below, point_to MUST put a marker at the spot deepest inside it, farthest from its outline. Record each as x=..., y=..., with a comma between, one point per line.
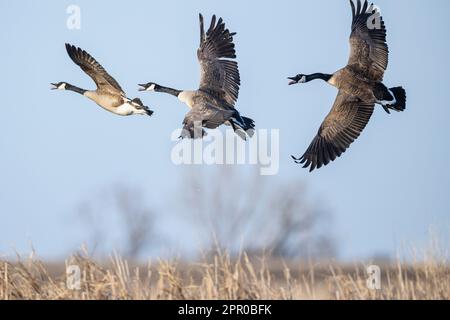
x=221, y=277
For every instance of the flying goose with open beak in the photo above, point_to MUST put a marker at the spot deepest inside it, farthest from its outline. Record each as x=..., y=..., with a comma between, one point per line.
x=360, y=86
x=108, y=95
x=213, y=104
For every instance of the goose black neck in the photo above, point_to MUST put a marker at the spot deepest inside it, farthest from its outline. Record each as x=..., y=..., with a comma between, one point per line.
x=167, y=90
x=315, y=76
x=75, y=89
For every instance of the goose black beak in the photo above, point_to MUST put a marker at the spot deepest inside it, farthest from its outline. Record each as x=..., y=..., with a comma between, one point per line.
x=55, y=86
x=143, y=87
x=294, y=80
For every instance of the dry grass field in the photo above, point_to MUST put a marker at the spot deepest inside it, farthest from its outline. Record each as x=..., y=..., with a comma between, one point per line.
x=221, y=277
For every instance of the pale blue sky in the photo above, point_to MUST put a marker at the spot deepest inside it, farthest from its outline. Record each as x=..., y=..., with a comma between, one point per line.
x=58, y=149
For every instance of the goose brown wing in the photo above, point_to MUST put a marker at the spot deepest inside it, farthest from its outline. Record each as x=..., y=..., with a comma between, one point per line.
x=369, y=52
x=93, y=69
x=219, y=73
x=343, y=125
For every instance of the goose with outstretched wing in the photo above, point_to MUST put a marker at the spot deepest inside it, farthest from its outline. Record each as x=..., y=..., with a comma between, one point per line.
x=213, y=104
x=109, y=95
x=360, y=86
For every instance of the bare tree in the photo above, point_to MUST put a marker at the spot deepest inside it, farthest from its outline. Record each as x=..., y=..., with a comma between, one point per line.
x=225, y=207
x=138, y=220
x=250, y=213
x=120, y=208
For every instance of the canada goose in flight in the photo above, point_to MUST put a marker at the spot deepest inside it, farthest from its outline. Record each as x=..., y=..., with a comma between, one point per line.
x=360, y=86
x=109, y=95
x=213, y=103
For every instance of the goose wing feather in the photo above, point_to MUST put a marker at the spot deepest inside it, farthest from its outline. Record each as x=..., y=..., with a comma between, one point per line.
x=219, y=72
x=93, y=69
x=369, y=52
x=343, y=125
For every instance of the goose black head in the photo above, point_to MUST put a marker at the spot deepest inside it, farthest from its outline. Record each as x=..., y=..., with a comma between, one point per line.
x=59, y=86
x=151, y=86
x=300, y=78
